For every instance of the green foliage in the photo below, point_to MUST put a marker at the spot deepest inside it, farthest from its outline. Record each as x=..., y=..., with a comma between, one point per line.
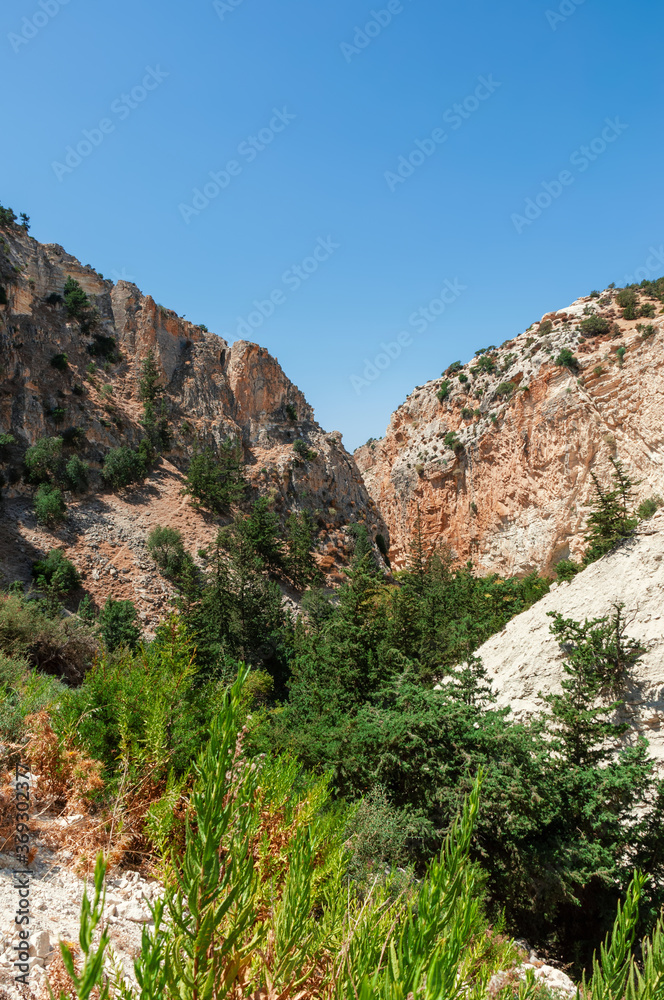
x=262, y=532
x=646, y=330
x=444, y=391
x=466, y=413
x=463, y=378
x=60, y=361
x=123, y=466
x=451, y=441
x=647, y=309
x=56, y=574
x=545, y=328
x=119, y=624
x=382, y=545
x=77, y=474
x=301, y=449
x=76, y=301
x=594, y=326
x=166, y=547
x=505, y=389
x=49, y=505
x=6, y=441
x=291, y=411
x=452, y=369
x=628, y=300
x=43, y=459
x=620, y=354
x=37, y=632
x=649, y=507
x=300, y=539
x=23, y=691
x=611, y=519
x=216, y=482
x=566, y=569
x=567, y=360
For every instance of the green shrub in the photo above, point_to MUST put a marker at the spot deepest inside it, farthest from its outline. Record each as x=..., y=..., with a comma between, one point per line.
x=463, y=378
x=216, y=482
x=44, y=458
x=23, y=691
x=452, y=441
x=545, y=328
x=166, y=547
x=505, y=389
x=61, y=646
x=444, y=391
x=567, y=360
x=56, y=573
x=76, y=301
x=647, y=309
x=382, y=545
x=628, y=300
x=57, y=414
x=452, y=369
x=466, y=413
x=620, y=354
x=594, y=326
x=649, y=507
x=300, y=448
x=645, y=330
x=119, y=624
x=6, y=441
x=77, y=474
x=566, y=569
x=291, y=411
x=122, y=466
x=49, y=505
x=60, y=361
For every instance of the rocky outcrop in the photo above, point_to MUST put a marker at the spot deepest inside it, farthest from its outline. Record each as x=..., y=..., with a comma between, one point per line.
x=525, y=660
x=211, y=391
x=500, y=469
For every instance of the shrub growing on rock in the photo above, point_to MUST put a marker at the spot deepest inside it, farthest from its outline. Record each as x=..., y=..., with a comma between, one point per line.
x=50, y=507
x=594, y=326
x=216, y=482
x=567, y=360
x=119, y=624
x=123, y=466
x=56, y=574
x=44, y=458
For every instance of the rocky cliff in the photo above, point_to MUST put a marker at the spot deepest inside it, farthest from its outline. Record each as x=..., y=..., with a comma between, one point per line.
x=525, y=660
x=63, y=377
x=496, y=454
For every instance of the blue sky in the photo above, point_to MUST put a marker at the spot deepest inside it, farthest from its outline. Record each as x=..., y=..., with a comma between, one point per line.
x=334, y=113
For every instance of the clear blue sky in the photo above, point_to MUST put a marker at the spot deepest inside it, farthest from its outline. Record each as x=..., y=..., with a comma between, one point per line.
x=323, y=175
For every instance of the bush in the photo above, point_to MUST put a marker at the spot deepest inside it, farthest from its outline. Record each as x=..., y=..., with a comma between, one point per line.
x=620, y=355
x=649, y=507
x=122, y=466
x=291, y=411
x=44, y=458
x=452, y=369
x=119, y=624
x=444, y=391
x=49, y=505
x=60, y=646
x=594, y=326
x=505, y=389
x=645, y=330
x=76, y=301
x=56, y=574
x=463, y=378
x=451, y=441
x=300, y=448
x=216, y=482
x=628, y=300
x=60, y=361
x=647, y=309
x=77, y=474
x=567, y=360
x=166, y=547
x=466, y=413
x=545, y=328
x=566, y=569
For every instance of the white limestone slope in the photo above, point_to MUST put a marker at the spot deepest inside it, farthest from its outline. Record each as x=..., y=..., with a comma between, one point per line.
x=525, y=659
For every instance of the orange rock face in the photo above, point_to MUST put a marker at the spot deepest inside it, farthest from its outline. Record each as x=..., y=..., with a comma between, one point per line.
x=509, y=492
x=211, y=391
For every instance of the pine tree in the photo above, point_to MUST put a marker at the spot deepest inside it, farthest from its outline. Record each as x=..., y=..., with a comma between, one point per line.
x=612, y=518
x=300, y=537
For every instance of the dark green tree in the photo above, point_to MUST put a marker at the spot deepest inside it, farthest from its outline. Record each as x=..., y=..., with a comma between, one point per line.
x=300, y=539
x=119, y=624
x=216, y=482
x=611, y=519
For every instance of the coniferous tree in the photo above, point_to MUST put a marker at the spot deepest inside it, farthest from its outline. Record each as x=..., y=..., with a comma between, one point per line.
x=611, y=518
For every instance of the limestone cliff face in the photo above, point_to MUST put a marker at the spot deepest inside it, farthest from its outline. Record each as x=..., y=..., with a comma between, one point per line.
x=509, y=490
x=211, y=390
